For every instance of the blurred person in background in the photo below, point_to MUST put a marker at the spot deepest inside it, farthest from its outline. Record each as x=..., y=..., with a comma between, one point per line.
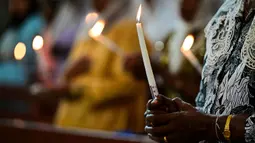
x=4, y=15
x=24, y=24
x=171, y=22
x=59, y=37
x=113, y=98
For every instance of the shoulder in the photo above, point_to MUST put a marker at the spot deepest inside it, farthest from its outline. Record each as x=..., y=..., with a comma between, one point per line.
x=124, y=34
x=34, y=22
x=123, y=26
x=33, y=25
x=223, y=12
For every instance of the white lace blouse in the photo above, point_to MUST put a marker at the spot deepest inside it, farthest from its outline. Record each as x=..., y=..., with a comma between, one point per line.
x=228, y=79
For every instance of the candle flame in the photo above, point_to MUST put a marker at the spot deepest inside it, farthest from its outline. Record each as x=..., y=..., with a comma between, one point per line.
x=188, y=43
x=97, y=29
x=20, y=51
x=91, y=17
x=38, y=42
x=139, y=12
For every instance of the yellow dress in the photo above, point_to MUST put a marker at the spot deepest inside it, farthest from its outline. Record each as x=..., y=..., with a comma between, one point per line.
x=107, y=81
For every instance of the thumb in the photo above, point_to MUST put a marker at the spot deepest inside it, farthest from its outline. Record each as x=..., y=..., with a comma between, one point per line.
x=162, y=103
x=183, y=106
x=157, y=102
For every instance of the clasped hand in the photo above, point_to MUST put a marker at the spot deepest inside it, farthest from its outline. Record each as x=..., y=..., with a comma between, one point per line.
x=175, y=121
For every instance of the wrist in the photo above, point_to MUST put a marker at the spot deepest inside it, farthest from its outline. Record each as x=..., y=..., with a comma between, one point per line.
x=210, y=132
x=237, y=128
x=222, y=122
x=237, y=125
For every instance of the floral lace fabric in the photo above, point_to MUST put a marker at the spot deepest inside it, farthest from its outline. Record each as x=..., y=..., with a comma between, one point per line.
x=228, y=79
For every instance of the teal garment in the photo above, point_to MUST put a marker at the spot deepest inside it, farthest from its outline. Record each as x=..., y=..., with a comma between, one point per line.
x=14, y=72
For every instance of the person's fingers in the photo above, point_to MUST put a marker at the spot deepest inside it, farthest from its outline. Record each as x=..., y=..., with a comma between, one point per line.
x=178, y=102
x=170, y=138
x=157, y=102
x=175, y=138
x=183, y=106
x=157, y=139
x=160, y=119
x=165, y=129
x=163, y=103
x=149, y=112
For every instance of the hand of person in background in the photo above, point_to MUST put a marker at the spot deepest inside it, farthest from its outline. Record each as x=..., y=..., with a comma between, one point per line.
x=181, y=123
x=134, y=63
x=80, y=66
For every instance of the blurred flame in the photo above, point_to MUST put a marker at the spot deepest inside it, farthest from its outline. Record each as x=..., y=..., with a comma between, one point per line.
x=97, y=29
x=188, y=43
x=38, y=42
x=20, y=51
x=91, y=17
x=139, y=12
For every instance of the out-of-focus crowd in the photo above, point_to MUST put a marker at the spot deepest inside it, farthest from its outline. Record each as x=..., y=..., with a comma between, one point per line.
x=91, y=49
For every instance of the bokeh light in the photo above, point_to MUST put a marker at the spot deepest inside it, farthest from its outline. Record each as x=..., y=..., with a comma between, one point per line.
x=20, y=51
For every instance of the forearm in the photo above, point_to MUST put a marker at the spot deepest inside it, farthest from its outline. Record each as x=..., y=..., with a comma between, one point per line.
x=69, y=74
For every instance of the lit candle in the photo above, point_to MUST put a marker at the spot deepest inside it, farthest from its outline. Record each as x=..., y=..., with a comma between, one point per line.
x=95, y=33
x=91, y=17
x=37, y=43
x=145, y=55
x=20, y=51
x=187, y=44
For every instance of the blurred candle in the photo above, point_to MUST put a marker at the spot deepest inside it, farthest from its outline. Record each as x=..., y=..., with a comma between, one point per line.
x=145, y=55
x=37, y=43
x=96, y=33
x=91, y=17
x=20, y=51
x=185, y=49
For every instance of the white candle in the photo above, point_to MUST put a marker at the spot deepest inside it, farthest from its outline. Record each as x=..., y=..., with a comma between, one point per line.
x=95, y=33
x=187, y=44
x=145, y=55
x=37, y=45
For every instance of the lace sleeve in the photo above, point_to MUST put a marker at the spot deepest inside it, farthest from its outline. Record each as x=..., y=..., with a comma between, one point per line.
x=200, y=99
x=250, y=122
x=250, y=129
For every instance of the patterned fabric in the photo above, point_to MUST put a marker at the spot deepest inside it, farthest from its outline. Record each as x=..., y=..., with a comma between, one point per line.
x=228, y=83
x=105, y=84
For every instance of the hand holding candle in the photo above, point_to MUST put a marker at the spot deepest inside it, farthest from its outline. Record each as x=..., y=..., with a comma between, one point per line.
x=145, y=55
x=185, y=49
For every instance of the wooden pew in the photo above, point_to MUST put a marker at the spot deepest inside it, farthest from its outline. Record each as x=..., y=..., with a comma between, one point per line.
x=18, y=131
x=40, y=107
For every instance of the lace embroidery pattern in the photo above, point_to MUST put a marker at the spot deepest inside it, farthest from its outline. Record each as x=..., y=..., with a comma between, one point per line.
x=233, y=92
x=229, y=64
x=248, y=50
x=250, y=129
x=220, y=34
